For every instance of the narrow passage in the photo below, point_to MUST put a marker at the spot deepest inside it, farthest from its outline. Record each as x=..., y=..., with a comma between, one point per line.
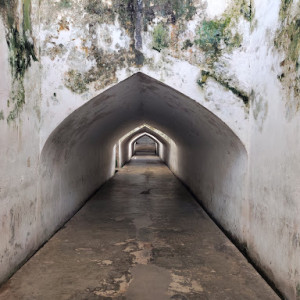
x=142, y=236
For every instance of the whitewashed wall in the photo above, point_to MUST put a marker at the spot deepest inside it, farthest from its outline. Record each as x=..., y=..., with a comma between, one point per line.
x=82, y=48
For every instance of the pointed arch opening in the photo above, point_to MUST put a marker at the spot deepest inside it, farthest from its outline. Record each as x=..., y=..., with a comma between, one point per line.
x=144, y=145
x=198, y=147
x=163, y=141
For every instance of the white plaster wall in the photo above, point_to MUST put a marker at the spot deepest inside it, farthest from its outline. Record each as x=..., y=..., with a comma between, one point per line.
x=216, y=174
x=19, y=156
x=266, y=218
x=77, y=171
x=274, y=163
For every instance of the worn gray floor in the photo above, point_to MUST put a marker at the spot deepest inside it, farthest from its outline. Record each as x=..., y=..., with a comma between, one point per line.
x=142, y=236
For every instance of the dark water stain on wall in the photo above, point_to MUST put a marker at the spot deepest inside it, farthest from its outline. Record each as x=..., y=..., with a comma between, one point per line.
x=216, y=37
x=134, y=16
x=21, y=50
x=165, y=21
x=239, y=93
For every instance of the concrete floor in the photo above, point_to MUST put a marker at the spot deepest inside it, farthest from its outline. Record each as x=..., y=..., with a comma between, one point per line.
x=142, y=236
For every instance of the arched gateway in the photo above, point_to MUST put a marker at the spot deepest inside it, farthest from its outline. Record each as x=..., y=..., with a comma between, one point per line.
x=204, y=152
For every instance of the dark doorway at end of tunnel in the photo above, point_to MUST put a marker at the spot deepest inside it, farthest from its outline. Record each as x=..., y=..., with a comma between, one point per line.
x=145, y=146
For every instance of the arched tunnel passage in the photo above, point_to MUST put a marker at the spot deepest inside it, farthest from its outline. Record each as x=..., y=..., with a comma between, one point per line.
x=142, y=235
x=204, y=152
x=144, y=145
x=126, y=143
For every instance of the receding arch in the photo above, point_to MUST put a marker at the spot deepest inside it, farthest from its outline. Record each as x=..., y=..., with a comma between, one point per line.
x=125, y=149
x=205, y=153
x=159, y=144
x=139, y=145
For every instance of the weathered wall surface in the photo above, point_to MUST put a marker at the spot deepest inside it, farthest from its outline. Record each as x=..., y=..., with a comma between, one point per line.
x=238, y=59
x=274, y=168
x=88, y=46
x=77, y=170
x=19, y=132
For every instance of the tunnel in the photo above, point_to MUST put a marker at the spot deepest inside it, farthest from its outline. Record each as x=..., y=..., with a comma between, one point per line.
x=121, y=180
x=126, y=143
x=149, y=142
x=144, y=145
x=201, y=150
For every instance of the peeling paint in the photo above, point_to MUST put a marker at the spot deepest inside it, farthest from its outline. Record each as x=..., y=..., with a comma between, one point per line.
x=184, y=285
x=114, y=287
x=75, y=82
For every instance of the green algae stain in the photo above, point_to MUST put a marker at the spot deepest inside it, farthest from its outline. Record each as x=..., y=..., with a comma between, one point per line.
x=1, y=115
x=187, y=44
x=211, y=34
x=247, y=10
x=288, y=37
x=127, y=12
x=190, y=11
x=293, y=32
x=206, y=74
x=7, y=9
x=173, y=10
x=203, y=78
x=287, y=41
x=298, y=291
x=21, y=50
x=219, y=35
x=21, y=53
x=181, y=9
x=75, y=81
x=18, y=99
x=95, y=7
x=235, y=42
x=160, y=37
x=26, y=15
x=284, y=8
x=65, y=4
x=134, y=16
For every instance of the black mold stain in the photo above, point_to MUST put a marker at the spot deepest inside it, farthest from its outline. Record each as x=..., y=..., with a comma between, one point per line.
x=204, y=76
x=134, y=17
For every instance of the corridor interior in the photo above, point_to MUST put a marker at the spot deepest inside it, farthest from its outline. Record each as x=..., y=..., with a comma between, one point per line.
x=141, y=236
